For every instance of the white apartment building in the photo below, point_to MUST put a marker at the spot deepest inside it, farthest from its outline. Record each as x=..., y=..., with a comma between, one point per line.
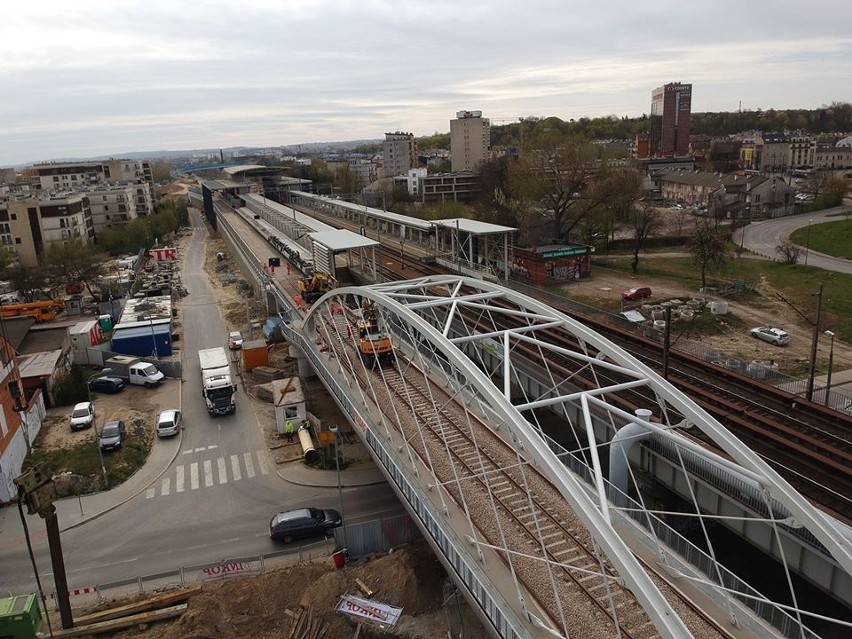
x=112, y=206
x=29, y=226
x=65, y=177
x=470, y=140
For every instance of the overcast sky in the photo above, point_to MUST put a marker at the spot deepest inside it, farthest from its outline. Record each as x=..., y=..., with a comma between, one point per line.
x=86, y=78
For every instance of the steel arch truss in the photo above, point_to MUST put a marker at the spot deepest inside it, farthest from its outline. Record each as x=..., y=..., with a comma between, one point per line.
x=462, y=396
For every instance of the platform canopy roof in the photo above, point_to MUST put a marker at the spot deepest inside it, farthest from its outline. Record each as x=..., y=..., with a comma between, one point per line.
x=341, y=240
x=472, y=226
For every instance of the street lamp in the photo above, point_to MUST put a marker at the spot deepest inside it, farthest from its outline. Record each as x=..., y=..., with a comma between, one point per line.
x=808, y=241
x=336, y=430
x=95, y=423
x=829, y=334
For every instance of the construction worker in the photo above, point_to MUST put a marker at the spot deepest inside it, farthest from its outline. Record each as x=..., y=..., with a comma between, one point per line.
x=306, y=425
x=288, y=430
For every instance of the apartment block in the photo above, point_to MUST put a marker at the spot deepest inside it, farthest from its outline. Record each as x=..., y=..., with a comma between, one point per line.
x=112, y=206
x=470, y=140
x=802, y=148
x=399, y=153
x=30, y=226
x=77, y=177
x=671, y=109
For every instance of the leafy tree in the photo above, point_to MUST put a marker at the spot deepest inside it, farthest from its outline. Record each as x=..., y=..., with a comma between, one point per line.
x=435, y=141
x=161, y=171
x=709, y=249
x=833, y=191
x=494, y=188
x=345, y=180
x=32, y=282
x=78, y=261
x=126, y=239
x=644, y=221
x=443, y=166
x=555, y=179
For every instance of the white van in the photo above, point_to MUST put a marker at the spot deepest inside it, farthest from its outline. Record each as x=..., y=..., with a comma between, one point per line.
x=145, y=374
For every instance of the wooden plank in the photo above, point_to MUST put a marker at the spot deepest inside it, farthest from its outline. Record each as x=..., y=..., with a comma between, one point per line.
x=119, y=624
x=364, y=587
x=160, y=601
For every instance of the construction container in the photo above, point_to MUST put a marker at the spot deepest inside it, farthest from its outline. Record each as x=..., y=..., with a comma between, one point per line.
x=20, y=617
x=255, y=353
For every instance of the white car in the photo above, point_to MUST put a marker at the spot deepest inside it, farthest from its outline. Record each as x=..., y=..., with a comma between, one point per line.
x=235, y=340
x=772, y=335
x=83, y=415
x=169, y=423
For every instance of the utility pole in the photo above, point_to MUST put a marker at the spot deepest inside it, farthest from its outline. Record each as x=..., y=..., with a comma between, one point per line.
x=38, y=491
x=814, y=343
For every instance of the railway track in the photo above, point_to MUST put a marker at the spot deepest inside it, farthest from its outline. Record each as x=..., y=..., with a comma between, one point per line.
x=810, y=446
x=806, y=443
x=515, y=509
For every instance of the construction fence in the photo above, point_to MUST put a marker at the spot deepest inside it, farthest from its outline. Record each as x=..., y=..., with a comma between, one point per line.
x=377, y=536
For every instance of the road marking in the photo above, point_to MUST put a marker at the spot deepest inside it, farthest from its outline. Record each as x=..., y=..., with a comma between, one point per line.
x=150, y=493
x=187, y=452
x=200, y=450
x=235, y=468
x=208, y=472
x=167, y=483
x=261, y=462
x=193, y=476
x=249, y=465
x=213, y=447
x=179, y=480
x=223, y=473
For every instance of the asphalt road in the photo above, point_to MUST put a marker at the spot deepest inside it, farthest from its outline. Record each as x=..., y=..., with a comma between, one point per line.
x=762, y=237
x=190, y=515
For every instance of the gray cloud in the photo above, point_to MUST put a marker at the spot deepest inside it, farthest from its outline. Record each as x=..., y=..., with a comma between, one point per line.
x=90, y=78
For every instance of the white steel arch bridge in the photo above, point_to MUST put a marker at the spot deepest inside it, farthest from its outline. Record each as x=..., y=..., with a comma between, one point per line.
x=546, y=530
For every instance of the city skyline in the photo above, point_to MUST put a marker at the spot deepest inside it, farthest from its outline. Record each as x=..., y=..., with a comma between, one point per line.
x=134, y=77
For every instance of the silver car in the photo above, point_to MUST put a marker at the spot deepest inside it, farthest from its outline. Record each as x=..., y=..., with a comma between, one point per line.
x=772, y=335
x=169, y=423
x=83, y=415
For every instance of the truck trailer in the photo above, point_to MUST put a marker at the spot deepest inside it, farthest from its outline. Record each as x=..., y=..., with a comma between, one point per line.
x=216, y=384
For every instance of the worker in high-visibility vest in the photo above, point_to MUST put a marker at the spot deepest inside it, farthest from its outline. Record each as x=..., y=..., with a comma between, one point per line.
x=288, y=430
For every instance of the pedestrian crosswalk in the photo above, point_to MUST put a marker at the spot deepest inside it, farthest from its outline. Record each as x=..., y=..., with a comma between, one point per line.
x=207, y=473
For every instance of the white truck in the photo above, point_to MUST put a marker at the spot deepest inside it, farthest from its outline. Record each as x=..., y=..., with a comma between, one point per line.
x=134, y=371
x=216, y=384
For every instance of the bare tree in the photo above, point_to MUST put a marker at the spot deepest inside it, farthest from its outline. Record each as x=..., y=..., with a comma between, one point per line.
x=788, y=252
x=644, y=221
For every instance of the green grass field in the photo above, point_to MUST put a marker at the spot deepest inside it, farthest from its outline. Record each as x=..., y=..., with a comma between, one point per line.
x=831, y=238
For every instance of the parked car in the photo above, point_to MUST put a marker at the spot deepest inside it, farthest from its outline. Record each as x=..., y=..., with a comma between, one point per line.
x=112, y=435
x=82, y=416
x=107, y=384
x=303, y=522
x=169, y=423
x=772, y=335
x=636, y=293
x=235, y=340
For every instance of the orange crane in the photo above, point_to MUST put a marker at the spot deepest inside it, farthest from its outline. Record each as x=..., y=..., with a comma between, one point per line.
x=42, y=311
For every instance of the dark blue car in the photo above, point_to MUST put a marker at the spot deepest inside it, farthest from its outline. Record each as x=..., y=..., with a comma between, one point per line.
x=107, y=384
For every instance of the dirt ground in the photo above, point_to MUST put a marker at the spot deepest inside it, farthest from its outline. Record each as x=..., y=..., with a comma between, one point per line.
x=254, y=607
x=732, y=336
